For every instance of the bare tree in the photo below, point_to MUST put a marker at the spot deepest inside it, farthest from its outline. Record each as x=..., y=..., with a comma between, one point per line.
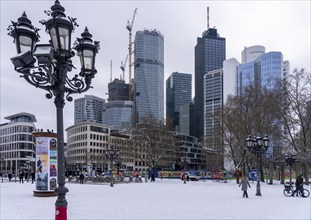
x=296, y=115
x=154, y=143
x=254, y=112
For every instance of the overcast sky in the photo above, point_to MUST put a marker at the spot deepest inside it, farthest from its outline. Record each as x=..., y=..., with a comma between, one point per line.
x=277, y=25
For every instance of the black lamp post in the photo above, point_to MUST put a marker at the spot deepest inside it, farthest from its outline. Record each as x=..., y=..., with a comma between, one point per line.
x=45, y=66
x=257, y=146
x=290, y=160
x=112, y=154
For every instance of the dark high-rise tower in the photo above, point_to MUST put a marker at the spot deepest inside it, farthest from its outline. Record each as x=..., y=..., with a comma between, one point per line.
x=210, y=52
x=178, y=93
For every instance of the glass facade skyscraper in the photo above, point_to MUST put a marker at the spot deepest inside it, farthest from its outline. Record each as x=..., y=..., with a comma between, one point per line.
x=265, y=71
x=210, y=52
x=149, y=74
x=118, y=114
x=178, y=93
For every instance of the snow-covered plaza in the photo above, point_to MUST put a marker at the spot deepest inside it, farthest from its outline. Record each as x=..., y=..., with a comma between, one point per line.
x=163, y=199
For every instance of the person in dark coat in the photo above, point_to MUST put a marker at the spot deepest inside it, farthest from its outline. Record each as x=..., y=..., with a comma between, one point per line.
x=33, y=177
x=26, y=176
x=10, y=177
x=299, y=187
x=244, y=182
x=81, y=177
x=21, y=177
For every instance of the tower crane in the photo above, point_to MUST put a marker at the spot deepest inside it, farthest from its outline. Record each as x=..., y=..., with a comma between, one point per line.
x=122, y=67
x=129, y=27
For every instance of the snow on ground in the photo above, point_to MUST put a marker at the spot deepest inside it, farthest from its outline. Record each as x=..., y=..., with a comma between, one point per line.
x=163, y=199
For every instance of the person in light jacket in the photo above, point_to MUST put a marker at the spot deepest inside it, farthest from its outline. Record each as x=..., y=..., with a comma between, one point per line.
x=244, y=182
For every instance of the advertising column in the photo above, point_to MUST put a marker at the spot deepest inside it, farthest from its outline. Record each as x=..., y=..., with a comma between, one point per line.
x=46, y=163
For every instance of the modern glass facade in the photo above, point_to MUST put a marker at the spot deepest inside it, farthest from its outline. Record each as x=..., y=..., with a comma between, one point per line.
x=118, y=114
x=178, y=93
x=210, y=52
x=17, y=145
x=149, y=74
x=89, y=108
x=265, y=71
x=186, y=119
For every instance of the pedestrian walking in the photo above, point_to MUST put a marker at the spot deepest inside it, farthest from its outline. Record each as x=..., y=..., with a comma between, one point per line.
x=81, y=177
x=152, y=177
x=33, y=177
x=244, y=182
x=299, y=187
x=26, y=176
x=10, y=177
x=21, y=177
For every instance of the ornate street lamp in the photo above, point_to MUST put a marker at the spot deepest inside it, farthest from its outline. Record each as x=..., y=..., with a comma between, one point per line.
x=45, y=66
x=112, y=154
x=290, y=160
x=257, y=146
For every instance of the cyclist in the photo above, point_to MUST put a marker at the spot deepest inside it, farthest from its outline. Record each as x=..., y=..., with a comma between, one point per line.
x=299, y=187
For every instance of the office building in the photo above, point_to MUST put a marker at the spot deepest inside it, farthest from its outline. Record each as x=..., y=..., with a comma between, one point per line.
x=178, y=93
x=230, y=69
x=89, y=108
x=86, y=144
x=186, y=119
x=210, y=52
x=213, y=101
x=17, y=145
x=118, y=114
x=149, y=74
x=265, y=71
x=250, y=54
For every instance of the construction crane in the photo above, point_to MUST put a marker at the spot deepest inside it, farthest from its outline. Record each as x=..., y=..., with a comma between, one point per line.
x=129, y=27
x=122, y=67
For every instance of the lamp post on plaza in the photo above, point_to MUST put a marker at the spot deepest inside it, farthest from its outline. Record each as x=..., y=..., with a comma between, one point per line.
x=112, y=154
x=290, y=160
x=45, y=66
x=257, y=146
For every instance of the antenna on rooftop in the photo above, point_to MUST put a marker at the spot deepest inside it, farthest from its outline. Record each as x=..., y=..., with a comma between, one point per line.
x=110, y=70
x=207, y=17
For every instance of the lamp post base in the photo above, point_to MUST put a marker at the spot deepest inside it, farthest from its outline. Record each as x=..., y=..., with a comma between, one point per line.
x=61, y=213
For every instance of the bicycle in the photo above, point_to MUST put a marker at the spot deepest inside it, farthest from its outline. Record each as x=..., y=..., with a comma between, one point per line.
x=288, y=191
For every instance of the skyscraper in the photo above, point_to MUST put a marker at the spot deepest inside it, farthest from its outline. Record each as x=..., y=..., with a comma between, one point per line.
x=178, y=93
x=210, y=52
x=265, y=71
x=149, y=74
x=89, y=109
x=213, y=101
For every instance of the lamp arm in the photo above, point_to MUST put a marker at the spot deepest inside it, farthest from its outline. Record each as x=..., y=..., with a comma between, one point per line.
x=77, y=85
x=33, y=80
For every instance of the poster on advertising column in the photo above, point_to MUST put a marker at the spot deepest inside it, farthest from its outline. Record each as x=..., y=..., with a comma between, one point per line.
x=46, y=161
